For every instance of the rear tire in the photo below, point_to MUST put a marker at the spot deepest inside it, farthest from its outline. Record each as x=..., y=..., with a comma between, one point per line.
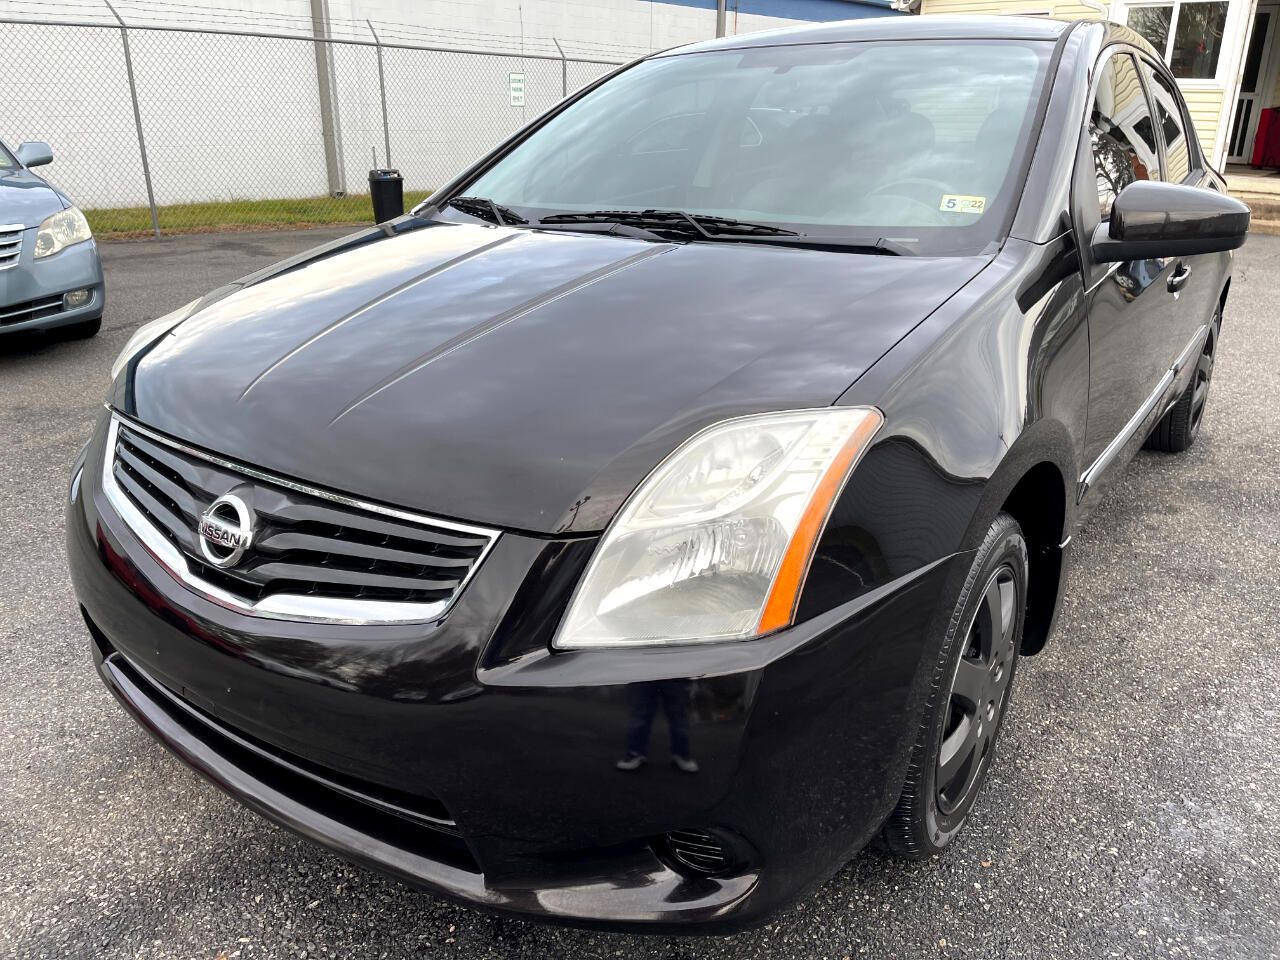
x=1178, y=429
x=970, y=689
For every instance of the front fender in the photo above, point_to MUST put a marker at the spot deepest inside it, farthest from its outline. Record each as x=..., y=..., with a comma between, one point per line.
x=992, y=388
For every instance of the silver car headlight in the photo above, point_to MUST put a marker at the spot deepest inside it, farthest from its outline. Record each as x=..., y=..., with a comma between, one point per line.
x=61, y=230
x=149, y=333
x=715, y=544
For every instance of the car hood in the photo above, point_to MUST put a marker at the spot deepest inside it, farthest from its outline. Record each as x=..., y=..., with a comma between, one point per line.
x=26, y=199
x=522, y=379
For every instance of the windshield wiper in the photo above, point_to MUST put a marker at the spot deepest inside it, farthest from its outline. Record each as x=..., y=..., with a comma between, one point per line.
x=882, y=246
x=486, y=209
x=711, y=227
x=705, y=225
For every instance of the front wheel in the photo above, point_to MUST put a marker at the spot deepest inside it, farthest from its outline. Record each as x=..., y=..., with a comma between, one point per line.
x=971, y=684
x=82, y=330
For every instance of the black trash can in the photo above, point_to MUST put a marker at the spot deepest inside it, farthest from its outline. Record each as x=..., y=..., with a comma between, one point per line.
x=386, y=187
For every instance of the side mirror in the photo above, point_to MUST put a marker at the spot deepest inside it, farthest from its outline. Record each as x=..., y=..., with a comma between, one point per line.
x=34, y=153
x=1151, y=220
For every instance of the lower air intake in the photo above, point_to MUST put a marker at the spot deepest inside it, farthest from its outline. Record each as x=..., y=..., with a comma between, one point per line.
x=699, y=852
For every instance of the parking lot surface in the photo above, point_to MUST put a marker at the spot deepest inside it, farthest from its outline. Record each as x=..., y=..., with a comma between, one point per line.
x=1133, y=809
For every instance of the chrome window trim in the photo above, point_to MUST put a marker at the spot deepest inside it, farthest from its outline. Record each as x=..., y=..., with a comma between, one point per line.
x=280, y=606
x=1121, y=439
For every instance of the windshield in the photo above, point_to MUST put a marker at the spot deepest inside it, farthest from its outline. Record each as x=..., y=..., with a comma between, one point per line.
x=7, y=160
x=916, y=142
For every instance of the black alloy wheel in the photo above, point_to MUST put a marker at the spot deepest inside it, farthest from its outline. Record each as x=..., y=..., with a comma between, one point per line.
x=1178, y=428
x=1200, y=381
x=972, y=680
x=978, y=691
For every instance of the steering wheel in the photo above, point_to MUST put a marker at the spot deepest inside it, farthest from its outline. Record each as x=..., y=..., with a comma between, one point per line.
x=913, y=188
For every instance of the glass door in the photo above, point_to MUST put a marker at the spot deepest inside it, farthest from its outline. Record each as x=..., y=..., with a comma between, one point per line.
x=1256, y=83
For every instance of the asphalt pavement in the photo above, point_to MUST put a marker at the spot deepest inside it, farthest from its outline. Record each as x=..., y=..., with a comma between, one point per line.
x=1133, y=810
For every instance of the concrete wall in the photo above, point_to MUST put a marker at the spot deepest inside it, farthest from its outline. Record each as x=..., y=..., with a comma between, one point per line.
x=596, y=26
x=229, y=117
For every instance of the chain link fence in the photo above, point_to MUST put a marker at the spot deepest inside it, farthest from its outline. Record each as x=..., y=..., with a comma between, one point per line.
x=166, y=129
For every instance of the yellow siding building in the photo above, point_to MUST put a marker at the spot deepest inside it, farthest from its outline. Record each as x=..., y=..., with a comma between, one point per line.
x=1224, y=53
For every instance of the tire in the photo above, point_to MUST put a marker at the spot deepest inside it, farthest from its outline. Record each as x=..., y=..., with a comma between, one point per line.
x=82, y=330
x=1179, y=427
x=968, y=696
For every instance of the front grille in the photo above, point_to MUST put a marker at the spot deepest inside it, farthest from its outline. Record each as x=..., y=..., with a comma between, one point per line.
x=10, y=244
x=30, y=310
x=304, y=544
x=420, y=823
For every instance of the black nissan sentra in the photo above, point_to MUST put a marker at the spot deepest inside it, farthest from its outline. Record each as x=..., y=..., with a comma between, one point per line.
x=656, y=517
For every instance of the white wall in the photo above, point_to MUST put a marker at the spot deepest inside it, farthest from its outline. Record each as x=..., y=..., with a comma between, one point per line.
x=230, y=117
x=584, y=27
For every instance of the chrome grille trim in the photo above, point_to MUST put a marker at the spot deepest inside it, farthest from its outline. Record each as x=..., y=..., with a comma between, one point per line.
x=40, y=309
x=281, y=606
x=10, y=244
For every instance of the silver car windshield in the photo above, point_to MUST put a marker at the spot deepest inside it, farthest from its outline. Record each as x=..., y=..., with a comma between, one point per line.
x=918, y=142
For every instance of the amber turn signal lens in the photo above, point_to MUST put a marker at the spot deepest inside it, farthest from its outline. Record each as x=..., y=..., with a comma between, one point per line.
x=780, y=608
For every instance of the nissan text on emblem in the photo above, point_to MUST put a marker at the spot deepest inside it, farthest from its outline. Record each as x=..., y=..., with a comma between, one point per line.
x=226, y=530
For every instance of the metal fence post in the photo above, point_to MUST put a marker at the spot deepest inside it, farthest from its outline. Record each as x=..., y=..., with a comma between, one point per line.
x=564, y=70
x=382, y=88
x=137, y=118
x=330, y=131
x=266, y=172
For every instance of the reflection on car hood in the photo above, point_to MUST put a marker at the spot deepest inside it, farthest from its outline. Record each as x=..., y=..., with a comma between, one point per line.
x=522, y=379
x=26, y=199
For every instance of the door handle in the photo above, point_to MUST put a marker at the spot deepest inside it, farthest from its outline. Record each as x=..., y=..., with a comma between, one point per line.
x=1178, y=279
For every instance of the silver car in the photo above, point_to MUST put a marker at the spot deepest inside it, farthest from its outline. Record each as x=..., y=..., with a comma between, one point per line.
x=50, y=274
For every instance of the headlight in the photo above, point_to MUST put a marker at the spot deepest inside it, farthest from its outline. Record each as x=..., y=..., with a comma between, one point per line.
x=149, y=333
x=716, y=543
x=60, y=231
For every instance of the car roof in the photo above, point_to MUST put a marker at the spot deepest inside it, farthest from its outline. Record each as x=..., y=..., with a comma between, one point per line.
x=931, y=27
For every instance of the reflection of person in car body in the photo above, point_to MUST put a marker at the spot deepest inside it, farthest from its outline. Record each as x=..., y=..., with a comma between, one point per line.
x=644, y=698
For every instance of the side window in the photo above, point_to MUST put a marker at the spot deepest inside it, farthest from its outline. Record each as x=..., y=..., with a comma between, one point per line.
x=1121, y=131
x=1177, y=151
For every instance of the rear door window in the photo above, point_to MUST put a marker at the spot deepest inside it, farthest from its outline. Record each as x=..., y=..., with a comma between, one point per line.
x=1177, y=149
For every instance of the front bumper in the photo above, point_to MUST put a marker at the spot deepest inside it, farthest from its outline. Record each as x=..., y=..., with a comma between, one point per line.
x=466, y=757
x=31, y=291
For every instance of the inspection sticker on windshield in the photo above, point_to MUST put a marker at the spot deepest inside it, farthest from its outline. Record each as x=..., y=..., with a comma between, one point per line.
x=954, y=203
